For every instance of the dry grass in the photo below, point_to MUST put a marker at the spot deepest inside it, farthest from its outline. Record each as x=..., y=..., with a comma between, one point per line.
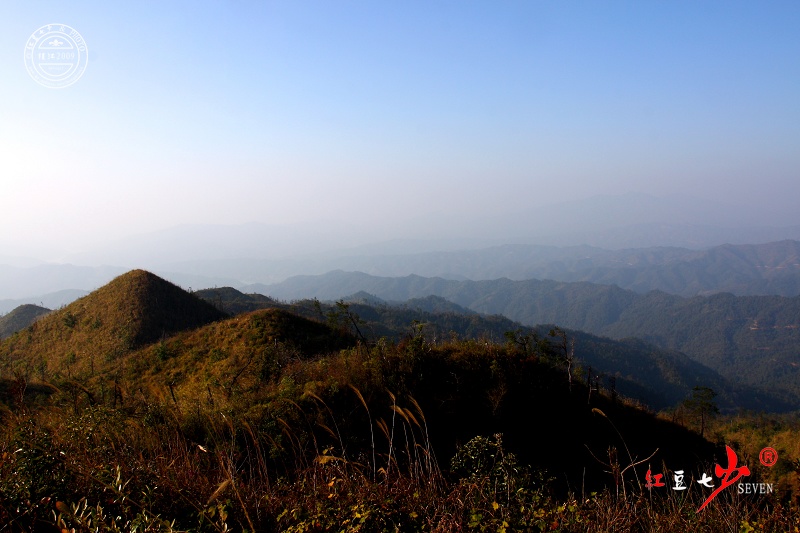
x=86, y=337
x=272, y=422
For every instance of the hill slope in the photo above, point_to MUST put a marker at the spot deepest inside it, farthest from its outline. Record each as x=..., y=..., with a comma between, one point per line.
x=277, y=369
x=748, y=339
x=20, y=318
x=658, y=377
x=228, y=357
x=131, y=311
x=269, y=395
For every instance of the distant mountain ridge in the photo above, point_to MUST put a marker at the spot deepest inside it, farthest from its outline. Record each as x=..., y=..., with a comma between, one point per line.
x=748, y=339
x=772, y=268
x=660, y=378
x=752, y=269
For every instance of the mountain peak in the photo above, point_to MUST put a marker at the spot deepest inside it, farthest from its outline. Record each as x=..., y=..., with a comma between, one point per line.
x=19, y=318
x=131, y=311
x=154, y=306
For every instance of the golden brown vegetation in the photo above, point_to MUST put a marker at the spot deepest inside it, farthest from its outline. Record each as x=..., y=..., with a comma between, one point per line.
x=273, y=422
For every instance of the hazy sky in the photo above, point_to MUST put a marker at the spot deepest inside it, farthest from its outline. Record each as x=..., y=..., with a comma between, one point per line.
x=379, y=112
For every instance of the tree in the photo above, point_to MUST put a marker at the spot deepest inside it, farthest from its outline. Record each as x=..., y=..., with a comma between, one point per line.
x=342, y=318
x=566, y=350
x=701, y=404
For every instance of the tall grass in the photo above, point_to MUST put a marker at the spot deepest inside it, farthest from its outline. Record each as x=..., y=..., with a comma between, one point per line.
x=336, y=443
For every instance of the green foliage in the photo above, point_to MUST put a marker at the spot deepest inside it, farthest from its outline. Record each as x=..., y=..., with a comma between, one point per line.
x=344, y=319
x=502, y=495
x=528, y=342
x=161, y=351
x=482, y=460
x=701, y=406
x=69, y=319
x=32, y=473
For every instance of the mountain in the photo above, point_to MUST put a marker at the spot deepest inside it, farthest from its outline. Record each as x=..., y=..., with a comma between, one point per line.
x=231, y=301
x=233, y=363
x=20, y=318
x=437, y=305
x=748, y=339
x=365, y=298
x=771, y=268
x=293, y=394
x=131, y=311
x=139, y=308
x=742, y=269
x=229, y=356
x=338, y=284
x=282, y=370
x=657, y=377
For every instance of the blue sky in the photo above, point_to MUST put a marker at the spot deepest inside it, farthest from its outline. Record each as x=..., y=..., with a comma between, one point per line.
x=378, y=113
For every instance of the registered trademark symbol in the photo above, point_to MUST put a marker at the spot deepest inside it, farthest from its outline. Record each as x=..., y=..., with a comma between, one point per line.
x=768, y=457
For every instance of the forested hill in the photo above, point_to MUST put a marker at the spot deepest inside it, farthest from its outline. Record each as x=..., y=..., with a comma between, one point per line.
x=145, y=389
x=659, y=378
x=21, y=317
x=749, y=339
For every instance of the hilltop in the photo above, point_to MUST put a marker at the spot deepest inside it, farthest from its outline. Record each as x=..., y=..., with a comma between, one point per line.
x=21, y=317
x=228, y=357
x=232, y=301
x=131, y=311
x=52, y=300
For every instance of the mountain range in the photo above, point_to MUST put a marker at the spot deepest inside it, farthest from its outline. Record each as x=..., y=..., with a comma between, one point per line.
x=771, y=268
x=763, y=269
x=103, y=330
x=142, y=355
x=748, y=339
x=660, y=378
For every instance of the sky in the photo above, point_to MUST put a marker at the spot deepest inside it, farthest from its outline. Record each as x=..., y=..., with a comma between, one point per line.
x=377, y=114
